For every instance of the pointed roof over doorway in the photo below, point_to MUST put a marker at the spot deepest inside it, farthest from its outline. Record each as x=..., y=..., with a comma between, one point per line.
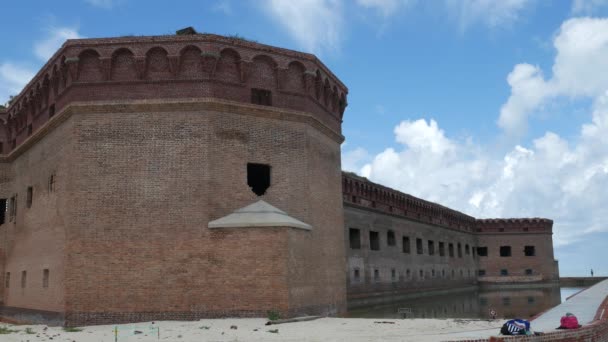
x=258, y=214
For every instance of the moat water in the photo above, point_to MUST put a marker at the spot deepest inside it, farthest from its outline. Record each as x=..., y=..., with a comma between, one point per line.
x=522, y=303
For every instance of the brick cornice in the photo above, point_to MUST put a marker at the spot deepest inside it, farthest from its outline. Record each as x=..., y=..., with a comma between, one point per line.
x=171, y=105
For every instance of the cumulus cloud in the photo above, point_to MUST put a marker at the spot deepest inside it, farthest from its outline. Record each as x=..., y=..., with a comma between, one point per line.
x=581, y=56
x=488, y=12
x=13, y=78
x=315, y=24
x=553, y=177
x=55, y=37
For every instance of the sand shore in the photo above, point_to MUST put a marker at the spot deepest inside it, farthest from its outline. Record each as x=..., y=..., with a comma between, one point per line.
x=254, y=329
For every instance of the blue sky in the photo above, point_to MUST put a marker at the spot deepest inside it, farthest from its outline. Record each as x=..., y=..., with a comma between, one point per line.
x=494, y=108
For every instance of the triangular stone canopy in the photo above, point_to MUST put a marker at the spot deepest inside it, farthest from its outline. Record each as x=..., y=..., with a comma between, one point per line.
x=258, y=214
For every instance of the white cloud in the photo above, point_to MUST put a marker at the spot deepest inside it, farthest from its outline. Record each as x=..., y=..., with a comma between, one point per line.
x=491, y=13
x=315, y=24
x=353, y=160
x=555, y=178
x=13, y=78
x=385, y=7
x=56, y=36
x=587, y=6
x=581, y=57
x=105, y=4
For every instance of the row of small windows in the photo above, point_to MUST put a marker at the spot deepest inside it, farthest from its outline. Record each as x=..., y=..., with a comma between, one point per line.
x=10, y=205
x=409, y=274
x=505, y=251
x=374, y=244
x=45, y=279
x=505, y=272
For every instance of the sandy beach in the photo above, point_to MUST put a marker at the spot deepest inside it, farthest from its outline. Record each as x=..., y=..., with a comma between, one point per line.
x=254, y=329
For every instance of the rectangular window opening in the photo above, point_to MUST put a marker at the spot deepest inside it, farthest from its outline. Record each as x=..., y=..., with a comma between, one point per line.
x=467, y=250
x=406, y=244
x=23, y=279
x=374, y=241
x=356, y=274
x=482, y=251
x=441, y=249
x=29, y=130
x=52, y=110
x=505, y=251
x=504, y=272
x=419, y=248
x=30, y=195
x=258, y=178
x=451, y=250
x=354, y=236
x=52, y=182
x=2, y=210
x=390, y=238
x=529, y=251
x=45, y=278
x=529, y=271
x=261, y=97
x=7, y=280
x=459, y=250
x=481, y=273
x=431, y=245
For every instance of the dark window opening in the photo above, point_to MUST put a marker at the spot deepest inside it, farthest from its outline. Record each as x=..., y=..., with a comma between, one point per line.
x=29, y=130
x=13, y=144
x=419, y=246
x=390, y=238
x=529, y=251
x=356, y=274
x=433, y=273
x=2, y=210
x=505, y=251
x=529, y=271
x=258, y=178
x=504, y=272
x=431, y=245
x=52, y=183
x=354, y=236
x=261, y=97
x=481, y=273
x=13, y=209
x=1, y=147
x=23, y=278
x=30, y=195
x=376, y=274
x=466, y=250
x=51, y=110
x=501, y=229
x=459, y=250
x=393, y=274
x=421, y=274
x=374, y=241
x=531, y=300
x=45, y=278
x=406, y=245
x=441, y=249
x=451, y=249
x=7, y=280
x=482, y=251
x=407, y=273
x=506, y=301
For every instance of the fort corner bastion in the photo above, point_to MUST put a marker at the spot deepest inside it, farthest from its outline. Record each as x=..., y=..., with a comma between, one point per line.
x=191, y=176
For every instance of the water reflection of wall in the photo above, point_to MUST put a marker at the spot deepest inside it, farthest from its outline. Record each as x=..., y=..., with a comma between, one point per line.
x=518, y=303
x=523, y=303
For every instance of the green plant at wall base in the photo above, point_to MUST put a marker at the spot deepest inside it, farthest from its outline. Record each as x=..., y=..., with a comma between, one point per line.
x=274, y=331
x=71, y=329
x=273, y=315
x=29, y=331
x=6, y=330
